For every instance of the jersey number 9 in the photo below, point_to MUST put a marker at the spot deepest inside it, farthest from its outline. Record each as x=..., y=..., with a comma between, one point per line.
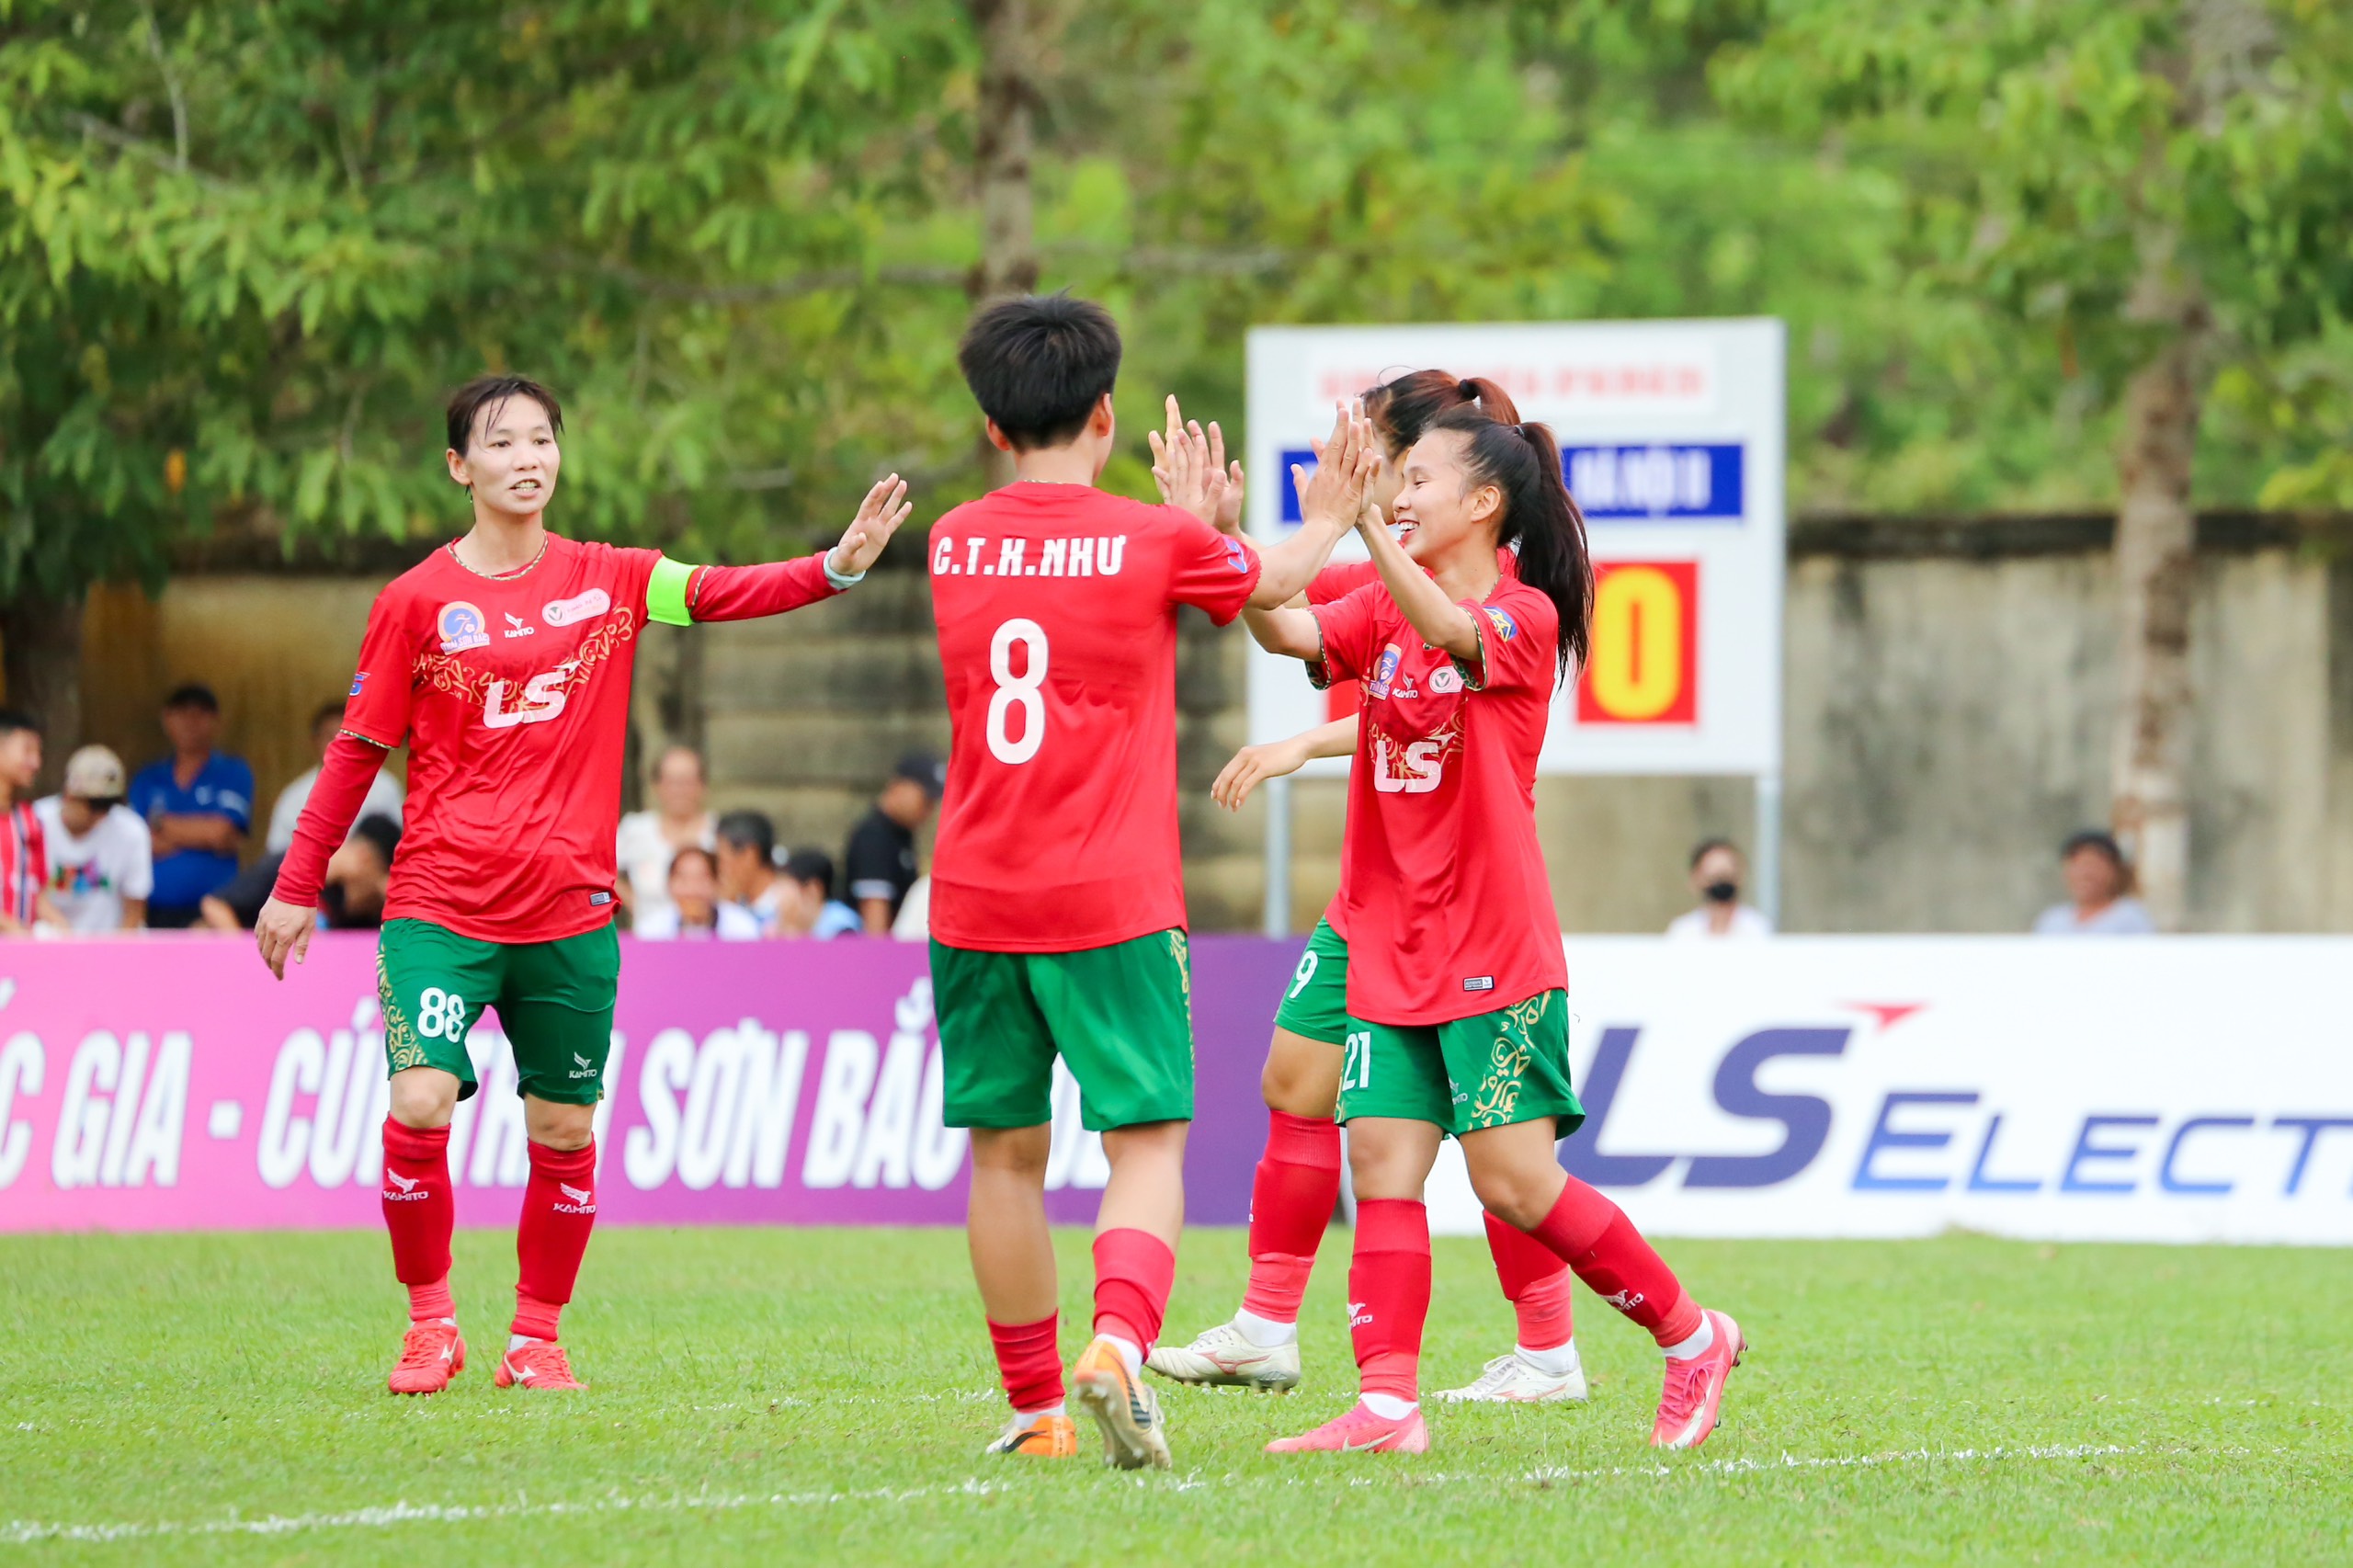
x=1020, y=693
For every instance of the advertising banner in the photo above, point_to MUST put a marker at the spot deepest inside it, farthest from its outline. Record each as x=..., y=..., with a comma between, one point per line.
x=2181, y=1089
x=1672, y=441
x=173, y=1085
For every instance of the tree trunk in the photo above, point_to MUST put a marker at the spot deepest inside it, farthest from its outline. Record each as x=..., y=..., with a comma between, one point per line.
x=40, y=661
x=1008, y=238
x=2156, y=572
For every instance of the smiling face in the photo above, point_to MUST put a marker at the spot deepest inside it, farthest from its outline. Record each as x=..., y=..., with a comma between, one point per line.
x=511, y=461
x=1439, y=510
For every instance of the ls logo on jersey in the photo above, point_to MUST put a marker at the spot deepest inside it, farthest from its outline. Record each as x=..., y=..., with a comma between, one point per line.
x=543, y=697
x=462, y=627
x=1385, y=671
x=578, y=609
x=1414, y=769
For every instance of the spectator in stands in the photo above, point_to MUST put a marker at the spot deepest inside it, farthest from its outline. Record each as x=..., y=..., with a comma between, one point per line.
x=1716, y=873
x=100, y=867
x=755, y=896
x=881, y=860
x=914, y=924
x=24, y=865
x=815, y=912
x=648, y=839
x=692, y=908
x=2099, y=887
x=199, y=803
x=385, y=797
x=351, y=899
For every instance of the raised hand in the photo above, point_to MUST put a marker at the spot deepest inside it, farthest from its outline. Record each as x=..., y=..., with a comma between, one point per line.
x=1229, y=511
x=1344, y=470
x=283, y=931
x=1182, y=469
x=879, y=517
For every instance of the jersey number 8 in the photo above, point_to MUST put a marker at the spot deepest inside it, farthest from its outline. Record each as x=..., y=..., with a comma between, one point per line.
x=1018, y=692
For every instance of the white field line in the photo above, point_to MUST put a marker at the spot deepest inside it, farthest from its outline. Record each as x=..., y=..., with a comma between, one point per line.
x=31, y=1532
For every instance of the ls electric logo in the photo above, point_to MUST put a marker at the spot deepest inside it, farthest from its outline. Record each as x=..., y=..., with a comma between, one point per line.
x=1961, y=1138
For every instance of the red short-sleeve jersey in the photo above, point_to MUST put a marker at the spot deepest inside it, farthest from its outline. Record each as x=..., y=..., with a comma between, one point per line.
x=1057, y=614
x=1450, y=912
x=513, y=695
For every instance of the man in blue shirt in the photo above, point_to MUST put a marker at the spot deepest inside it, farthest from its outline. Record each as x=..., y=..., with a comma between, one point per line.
x=199, y=804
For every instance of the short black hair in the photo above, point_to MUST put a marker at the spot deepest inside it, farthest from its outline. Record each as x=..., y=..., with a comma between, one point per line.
x=194, y=694
x=749, y=830
x=382, y=831
x=810, y=865
x=15, y=718
x=2093, y=838
x=1038, y=364
x=468, y=401
x=1700, y=850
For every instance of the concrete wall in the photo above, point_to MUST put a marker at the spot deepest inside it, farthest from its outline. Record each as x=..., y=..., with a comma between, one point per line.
x=1948, y=699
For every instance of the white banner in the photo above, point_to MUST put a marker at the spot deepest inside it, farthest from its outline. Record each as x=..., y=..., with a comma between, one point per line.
x=2153, y=1089
x=1672, y=437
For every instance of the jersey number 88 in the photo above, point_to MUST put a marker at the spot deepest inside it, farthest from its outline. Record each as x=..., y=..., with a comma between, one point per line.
x=1020, y=692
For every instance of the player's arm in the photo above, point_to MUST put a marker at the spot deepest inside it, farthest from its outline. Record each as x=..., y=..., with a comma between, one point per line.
x=679, y=595
x=1441, y=623
x=1294, y=633
x=1328, y=507
x=1276, y=759
x=282, y=929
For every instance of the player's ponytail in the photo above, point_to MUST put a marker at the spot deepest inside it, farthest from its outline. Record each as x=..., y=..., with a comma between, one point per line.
x=1404, y=406
x=1540, y=519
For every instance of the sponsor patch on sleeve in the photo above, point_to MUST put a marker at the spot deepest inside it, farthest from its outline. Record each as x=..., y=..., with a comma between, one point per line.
x=357, y=681
x=1505, y=626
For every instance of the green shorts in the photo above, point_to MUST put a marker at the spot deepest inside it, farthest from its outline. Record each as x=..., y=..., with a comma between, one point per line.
x=1491, y=1070
x=1121, y=1017
x=1315, y=1003
x=556, y=999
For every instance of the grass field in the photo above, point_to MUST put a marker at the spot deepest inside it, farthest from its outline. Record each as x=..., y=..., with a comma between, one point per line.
x=824, y=1396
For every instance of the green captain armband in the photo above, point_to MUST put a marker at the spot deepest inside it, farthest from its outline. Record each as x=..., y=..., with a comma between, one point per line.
x=665, y=593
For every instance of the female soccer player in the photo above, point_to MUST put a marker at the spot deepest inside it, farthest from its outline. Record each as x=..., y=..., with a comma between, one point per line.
x=503, y=660
x=1458, y=1014
x=1298, y=1178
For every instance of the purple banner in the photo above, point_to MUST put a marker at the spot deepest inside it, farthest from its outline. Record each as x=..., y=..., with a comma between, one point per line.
x=172, y=1085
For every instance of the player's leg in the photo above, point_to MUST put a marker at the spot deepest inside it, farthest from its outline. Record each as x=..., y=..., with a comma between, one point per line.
x=1123, y=1018
x=1294, y=1189
x=997, y=1064
x=1397, y=1104
x=557, y=1005
x=1543, y=1366
x=1516, y=1060
x=427, y=983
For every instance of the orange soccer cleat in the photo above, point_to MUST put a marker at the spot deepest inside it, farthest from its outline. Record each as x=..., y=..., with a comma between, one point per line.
x=1689, y=1405
x=1135, y=1433
x=1040, y=1438
x=431, y=1354
x=537, y=1364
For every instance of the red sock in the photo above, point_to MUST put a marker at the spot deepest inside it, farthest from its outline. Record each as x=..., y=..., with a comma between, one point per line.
x=420, y=1212
x=1534, y=1283
x=1135, y=1271
x=1594, y=1237
x=559, y=1210
x=1029, y=1361
x=1291, y=1204
x=1389, y=1289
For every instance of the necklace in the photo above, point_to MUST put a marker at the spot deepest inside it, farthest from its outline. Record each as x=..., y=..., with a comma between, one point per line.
x=499, y=576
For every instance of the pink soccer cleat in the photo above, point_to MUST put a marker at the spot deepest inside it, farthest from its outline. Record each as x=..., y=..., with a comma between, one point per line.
x=1360, y=1431
x=431, y=1354
x=537, y=1364
x=1689, y=1405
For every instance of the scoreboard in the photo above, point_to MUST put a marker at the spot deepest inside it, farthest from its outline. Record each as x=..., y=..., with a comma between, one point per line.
x=1672, y=439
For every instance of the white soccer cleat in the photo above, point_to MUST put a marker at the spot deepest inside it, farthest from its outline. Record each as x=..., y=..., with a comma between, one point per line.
x=1224, y=1357
x=1514, y=1380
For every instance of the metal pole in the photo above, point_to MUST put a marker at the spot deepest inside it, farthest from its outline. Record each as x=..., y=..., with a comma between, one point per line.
x=1277, y=921
x=1769, y=846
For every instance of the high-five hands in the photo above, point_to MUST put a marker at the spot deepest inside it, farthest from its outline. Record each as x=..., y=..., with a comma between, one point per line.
x=879, y=517
x=1345, y=466
x=1189, y=466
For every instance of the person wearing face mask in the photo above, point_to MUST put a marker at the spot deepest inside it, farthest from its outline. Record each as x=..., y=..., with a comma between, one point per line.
x=1716, y=873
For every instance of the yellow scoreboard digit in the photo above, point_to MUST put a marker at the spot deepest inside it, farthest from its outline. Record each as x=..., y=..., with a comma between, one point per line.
x=1644, y=667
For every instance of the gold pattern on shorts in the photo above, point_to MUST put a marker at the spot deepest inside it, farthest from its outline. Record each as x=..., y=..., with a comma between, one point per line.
x=401, y=1048
x=1515, y=1048
x=1181, y=949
